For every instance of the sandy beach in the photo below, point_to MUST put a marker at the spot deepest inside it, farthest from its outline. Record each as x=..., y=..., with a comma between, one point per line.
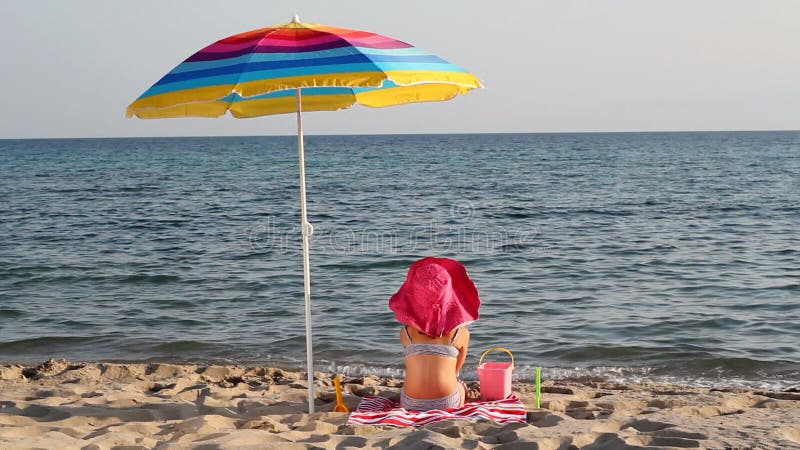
x=70, y=405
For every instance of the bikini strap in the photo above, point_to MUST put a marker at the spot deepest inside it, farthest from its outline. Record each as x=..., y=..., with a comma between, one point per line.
x=455, y=336
x=405, y=328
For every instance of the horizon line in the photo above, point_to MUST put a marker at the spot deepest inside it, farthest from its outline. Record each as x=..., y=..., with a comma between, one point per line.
x=408, y=134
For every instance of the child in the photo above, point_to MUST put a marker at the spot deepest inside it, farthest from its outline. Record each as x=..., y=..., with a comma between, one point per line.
x=435, y=303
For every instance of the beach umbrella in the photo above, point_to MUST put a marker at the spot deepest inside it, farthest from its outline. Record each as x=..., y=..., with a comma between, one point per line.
x=296, y=67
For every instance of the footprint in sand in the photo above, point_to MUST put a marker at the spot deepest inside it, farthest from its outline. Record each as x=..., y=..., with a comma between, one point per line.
x=657, y=441
x=646, y=426
x=789, y=433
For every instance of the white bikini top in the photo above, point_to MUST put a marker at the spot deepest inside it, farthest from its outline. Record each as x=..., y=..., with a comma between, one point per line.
x=448, y=350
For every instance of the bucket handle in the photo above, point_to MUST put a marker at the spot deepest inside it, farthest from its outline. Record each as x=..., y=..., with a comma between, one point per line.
x=497, y=348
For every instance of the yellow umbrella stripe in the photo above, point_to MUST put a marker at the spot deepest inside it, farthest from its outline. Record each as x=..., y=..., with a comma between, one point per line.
x=460, y=82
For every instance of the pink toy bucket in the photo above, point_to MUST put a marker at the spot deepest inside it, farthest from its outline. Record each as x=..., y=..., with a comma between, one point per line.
x=495, y=377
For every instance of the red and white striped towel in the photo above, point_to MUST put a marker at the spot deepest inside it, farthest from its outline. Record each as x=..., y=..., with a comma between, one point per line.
x=382, y=411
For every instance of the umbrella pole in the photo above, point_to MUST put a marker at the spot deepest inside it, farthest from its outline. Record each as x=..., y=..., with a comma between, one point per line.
x=307, y=231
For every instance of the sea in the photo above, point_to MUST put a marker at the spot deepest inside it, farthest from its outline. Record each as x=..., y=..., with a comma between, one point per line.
x=629, y=257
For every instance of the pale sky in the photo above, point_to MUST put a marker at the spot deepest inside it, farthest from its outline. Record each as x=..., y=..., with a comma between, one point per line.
x=69, y=68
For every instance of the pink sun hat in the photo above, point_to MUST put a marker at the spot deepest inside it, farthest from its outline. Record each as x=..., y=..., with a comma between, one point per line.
x=437, y=297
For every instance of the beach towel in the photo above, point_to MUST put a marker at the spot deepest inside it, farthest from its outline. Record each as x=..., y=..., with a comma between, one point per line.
x=374, y=410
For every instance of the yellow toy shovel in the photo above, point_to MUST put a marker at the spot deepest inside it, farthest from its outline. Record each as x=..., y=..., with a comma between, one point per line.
x=340, y=406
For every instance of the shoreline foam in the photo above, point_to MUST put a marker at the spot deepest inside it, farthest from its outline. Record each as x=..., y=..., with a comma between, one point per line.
x=58, y=404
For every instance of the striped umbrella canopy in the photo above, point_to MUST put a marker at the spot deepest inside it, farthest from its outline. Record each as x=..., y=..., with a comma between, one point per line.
x=257, y=73
x=298, y=67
